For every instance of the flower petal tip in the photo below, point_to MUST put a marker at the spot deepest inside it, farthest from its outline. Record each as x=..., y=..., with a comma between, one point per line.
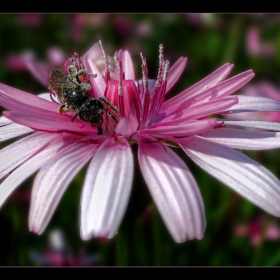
x=34, y=230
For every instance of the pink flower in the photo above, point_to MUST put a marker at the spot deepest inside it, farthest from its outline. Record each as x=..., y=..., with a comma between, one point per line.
x=255, y=46
x=28, y=61
x=32, y=20
x=256, y=232
x=59, y=147
x=58, y=253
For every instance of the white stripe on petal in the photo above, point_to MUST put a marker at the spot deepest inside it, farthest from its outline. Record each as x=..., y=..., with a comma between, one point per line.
x=106, y=189
x=4, y=121
x=252, y=104
x=13, y=130
x=52, y=181
x=174, y=191
x=254, y=124
x=16, y=153
x=28, y=168
x=244, y=139
x=244, y=175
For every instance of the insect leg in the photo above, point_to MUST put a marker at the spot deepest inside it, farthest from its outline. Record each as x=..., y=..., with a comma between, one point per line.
x=99, y=130
x=62, y=108
x=78, y=113
x=109, y=105
x=110, y=115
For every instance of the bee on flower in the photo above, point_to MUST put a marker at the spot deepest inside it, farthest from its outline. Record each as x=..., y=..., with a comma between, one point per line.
x=57, y=147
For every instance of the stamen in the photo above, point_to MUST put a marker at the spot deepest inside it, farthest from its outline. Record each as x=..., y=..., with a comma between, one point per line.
x=76, y=61
x=145, y=95
x=119, y=65
x=107, y=65
x=165, y=70
x=145, y=73
x=157, y=95
x=161, y=56
x=161, y=65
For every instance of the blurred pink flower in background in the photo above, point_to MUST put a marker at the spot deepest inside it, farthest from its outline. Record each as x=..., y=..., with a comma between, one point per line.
x=126, y=25
x=17, y=62
x=123, y=24
x=40, y=70
x=58, y=253
x=31, y=20
x=191, y=120
x=259, y=230
x=205, y=20
x=255, y=46
x=80, y=21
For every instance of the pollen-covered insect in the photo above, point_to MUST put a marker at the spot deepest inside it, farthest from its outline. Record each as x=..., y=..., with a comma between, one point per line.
x=73, y=93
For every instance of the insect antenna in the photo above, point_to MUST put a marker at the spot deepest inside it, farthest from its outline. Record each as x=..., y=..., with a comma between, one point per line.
x=78, y=113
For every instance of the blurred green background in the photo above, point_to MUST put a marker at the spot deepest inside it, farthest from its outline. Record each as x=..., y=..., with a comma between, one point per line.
x=237, y=233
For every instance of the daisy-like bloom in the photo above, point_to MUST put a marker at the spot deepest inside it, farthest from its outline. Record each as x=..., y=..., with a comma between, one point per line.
x=58, y=148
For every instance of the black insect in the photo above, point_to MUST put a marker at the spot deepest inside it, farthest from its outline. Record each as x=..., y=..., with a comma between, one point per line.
x=72, y=92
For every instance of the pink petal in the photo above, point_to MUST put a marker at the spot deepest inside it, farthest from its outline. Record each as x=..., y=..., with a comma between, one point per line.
x=18, y=152
x=244, y=139
x=127, y=66
x=89, y=60
x=213, y=107
x=52, y=181
x=218, y=91
x=11, y=97
x=174, y=191
x=244, y=175
x=223, y=89
x=106, y=189
x=127, y=126
x=175, y=72
x=13, y=130
x=39, y=70
x=35, y=162
x=94, y=53
x=208, y=82
x=182, y=130
x=251, y=104
x=51, y=122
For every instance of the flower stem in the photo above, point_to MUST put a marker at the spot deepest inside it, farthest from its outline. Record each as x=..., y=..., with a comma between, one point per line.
x=121, y=250
x=233, y=39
